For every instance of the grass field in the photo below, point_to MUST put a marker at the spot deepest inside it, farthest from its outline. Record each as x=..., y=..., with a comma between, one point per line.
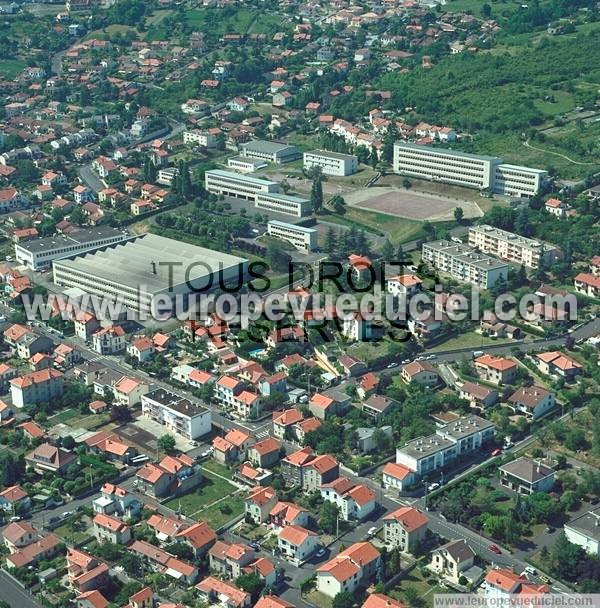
x=215, y=517
x=469, y=340
x=425, y=587
x=10, y=68
x=218, y=468
x=399, y=230
x=63, y=416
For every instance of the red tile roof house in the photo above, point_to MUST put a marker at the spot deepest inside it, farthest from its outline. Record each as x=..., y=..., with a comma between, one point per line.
x=288, y=514
x=265, y=453
x=420, y=372
x=354, y=501
x=199, y=537
x=44, y=548
x=349, y=570
x=405, y=528
x=18, y=535
x=91, y=599
x=165, y=563
x=379, y=600
x=325, y=406
x=214, y=590
x=397, y=477
x=165, y=527
x=154, y=480
x=229, y=560
x=14, y=500
x=111, y=529
x=283, y=422
x=556, y=363
x=48, y=458
x=259, y=502
x=297, y=544
x=498, y=370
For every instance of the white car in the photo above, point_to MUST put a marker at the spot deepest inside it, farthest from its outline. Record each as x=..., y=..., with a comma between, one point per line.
x=421, y=358
x=433, y=486
x=372, y=531
x=391, y=365
x=432, y=357
x=405, y=361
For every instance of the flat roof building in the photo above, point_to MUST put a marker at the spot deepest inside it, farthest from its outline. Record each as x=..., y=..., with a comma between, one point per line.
x=246, y=164
x=271, y=151
x=331, y=163
x=584, y=531
x=176, y=413
x=512, y=247
x=140, y=270
x=464, y=264
x=263, y=192
x=467, y=170
x=302, y=238
x=426, y=454
x=40, y=253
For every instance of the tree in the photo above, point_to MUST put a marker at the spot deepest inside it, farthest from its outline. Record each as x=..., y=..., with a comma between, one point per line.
x=167, y=443
x=250, y=583
x=387, y=251
x=338, y=204
x=330, y=241
x=328, y=521
x=316, y=194
x=459, y=214
x=344, y=599
x=486, y=11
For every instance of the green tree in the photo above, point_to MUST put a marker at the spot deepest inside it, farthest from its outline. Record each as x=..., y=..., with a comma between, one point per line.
x=459, y=214
x=167, y=443
x=328, y=520
x=344, y=599
x=316, y=194
x=251, y=583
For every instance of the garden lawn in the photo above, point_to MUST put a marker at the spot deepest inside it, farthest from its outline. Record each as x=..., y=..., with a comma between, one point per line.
x=215, y=517
x=218, y=468
x=425, y=590
x=213, y=489
x=469, y=339
x=10, y=68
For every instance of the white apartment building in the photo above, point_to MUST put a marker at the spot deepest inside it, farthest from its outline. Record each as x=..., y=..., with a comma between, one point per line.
x=584, y=530
x=464, y=264
x=514, y=180
x=512, y=247
x=426, y=454
x=443, y=165
x=302, y=238
x=468, y=170
x=199, y=138
x=39, y=253
x=176, y=413
x=331, y=163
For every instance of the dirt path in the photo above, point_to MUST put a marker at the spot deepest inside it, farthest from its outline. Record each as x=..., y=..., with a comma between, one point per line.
x=575, y=162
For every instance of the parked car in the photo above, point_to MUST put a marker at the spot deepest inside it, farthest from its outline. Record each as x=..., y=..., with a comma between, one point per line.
x=495, y=549
x=254, y=546
x=372, y=531
x=496, y=452
x=433, y=486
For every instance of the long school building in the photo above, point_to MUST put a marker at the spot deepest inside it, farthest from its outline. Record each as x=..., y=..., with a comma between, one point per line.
x=331, y=163
x=468, y=170
x=302, y=238
x=264, y=193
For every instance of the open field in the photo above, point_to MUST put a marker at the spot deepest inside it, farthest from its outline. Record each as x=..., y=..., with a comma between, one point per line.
x=469, y=339
x=10, y=68
x=409, y=204
x=425, y=587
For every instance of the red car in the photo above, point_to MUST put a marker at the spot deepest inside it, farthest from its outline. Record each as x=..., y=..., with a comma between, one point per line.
x=495, y=549
x=496, y=452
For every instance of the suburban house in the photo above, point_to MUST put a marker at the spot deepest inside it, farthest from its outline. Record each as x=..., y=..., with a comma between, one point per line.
x=404, y=528
x=497, y=370
x=349, y=570
x=48, y=458
x=478, y=395
x=526, y=476
x=420, y=372
x=555, y=363
x=288, y=514
x=111, y=529
x=199, y=537
x=297, y=544
x=397, y=476
x=502, y=583
x=259, y=502
x=265, y=453
x=452, y=559
x=532, y=401
x=215, y=591
x=354, y=501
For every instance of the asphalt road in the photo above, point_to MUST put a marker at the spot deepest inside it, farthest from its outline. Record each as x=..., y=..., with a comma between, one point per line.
x=14, y=594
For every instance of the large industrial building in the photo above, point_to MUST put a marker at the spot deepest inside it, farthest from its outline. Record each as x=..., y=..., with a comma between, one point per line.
x=512, y=247
x=331, y=163
x=464, y=264
x=150, y=265
x=263, y=192
x=271, y=151
x=40, y=253
x=487, y=173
